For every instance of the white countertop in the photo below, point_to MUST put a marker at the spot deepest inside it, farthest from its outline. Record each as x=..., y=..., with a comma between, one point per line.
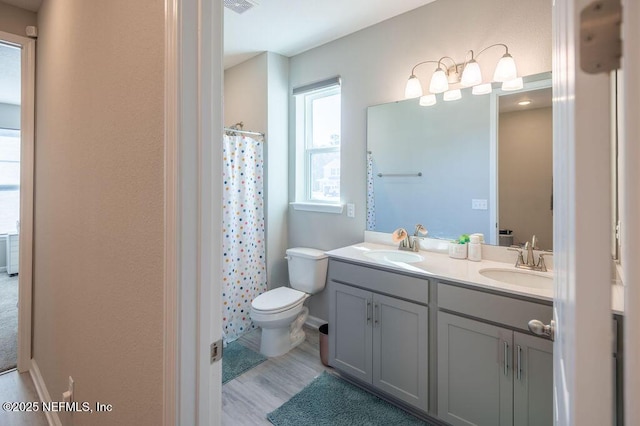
x=441, y=266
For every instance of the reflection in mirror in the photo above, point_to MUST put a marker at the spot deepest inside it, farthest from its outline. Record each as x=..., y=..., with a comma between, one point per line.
x=441, y=165
x=525, y=161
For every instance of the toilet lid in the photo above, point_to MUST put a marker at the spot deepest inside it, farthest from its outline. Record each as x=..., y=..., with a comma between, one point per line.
x=278, y=299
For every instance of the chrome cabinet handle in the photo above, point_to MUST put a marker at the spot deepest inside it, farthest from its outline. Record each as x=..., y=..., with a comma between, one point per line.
x=376, y=315
x=369, y=312
x=519, y=371
x=506, y=358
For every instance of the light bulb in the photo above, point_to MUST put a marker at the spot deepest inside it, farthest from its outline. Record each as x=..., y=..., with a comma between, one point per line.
x=452, y=95
x=439, y=82
x=506, y=69
x=428, y=100
x=471, y=75
x=481, y=89
x=413, y=88
x=515, y=84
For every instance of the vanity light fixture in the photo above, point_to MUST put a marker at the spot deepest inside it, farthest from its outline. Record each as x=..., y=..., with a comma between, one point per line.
x=452, y=95
x=482, y=89
x=428, y=100
x=515, y=84
x=439, y=81
x=413, y=88
x=505, y=73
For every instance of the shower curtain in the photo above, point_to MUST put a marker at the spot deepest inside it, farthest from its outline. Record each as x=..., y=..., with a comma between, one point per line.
x=243, y=246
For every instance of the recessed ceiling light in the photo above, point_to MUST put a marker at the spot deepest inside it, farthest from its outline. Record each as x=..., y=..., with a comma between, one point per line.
x=524, y=103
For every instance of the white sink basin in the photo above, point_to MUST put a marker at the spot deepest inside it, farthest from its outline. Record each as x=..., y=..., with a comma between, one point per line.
x=393, y=256
x=520, y=277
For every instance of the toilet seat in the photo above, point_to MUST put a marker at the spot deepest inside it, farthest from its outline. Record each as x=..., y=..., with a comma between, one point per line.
x=278, y=300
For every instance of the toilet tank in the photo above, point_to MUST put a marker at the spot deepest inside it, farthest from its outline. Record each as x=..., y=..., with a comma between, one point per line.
x=307, y=269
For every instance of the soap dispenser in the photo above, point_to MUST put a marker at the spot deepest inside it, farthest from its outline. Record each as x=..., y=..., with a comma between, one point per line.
x=475, y=248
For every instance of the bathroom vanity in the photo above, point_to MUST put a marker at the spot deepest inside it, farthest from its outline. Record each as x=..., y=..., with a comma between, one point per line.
x=438, y=337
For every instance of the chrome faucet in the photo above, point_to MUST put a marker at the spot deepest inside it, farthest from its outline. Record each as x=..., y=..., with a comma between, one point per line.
x=530, y=263
x=410, y=242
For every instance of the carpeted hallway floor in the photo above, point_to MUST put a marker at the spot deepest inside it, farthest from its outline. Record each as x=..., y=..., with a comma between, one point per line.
x=8, y=321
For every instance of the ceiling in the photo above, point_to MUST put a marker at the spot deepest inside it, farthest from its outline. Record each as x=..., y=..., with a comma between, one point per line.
x=9, y=74
x=540, y=98
x=289, y=27
x=32, y=5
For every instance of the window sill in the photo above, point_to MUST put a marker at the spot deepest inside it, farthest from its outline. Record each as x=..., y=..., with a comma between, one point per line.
x=318, y=207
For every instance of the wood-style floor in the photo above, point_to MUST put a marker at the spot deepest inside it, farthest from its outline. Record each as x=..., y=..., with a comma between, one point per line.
x=18, y=387
x=248, y=398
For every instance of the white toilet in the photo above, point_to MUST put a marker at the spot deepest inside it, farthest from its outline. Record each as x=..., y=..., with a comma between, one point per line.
x=280, y=312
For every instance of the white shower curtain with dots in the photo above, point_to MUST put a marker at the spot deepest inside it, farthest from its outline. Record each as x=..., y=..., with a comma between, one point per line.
x=243, y=246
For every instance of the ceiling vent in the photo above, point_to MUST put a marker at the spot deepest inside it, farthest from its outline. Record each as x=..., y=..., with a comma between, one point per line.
x=240, y=6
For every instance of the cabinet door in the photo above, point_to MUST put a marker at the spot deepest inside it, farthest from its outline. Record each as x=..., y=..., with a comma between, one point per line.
x=400, y=349
x=475, y=384
x=351, y=330
x=533, y=381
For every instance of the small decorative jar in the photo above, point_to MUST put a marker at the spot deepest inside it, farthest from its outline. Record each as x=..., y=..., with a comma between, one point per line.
x=457, y=250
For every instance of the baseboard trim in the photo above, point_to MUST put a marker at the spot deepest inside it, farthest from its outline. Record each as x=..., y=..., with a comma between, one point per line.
x=3, y=269
x=314, y=322
x=43, y=393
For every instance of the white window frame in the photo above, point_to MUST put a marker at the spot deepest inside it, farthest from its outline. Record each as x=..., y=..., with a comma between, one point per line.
x=304, y=97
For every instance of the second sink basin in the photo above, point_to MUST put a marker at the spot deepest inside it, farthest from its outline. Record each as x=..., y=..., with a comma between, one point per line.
x=393, y=256
x=519, y=277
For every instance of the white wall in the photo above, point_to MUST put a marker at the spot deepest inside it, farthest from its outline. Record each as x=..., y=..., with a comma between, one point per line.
x=99, y=191
x=245, y=94
x=374, y=65
x=256, y=93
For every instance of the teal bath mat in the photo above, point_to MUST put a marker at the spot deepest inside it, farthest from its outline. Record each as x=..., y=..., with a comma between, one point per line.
x=237, y=359
x=331, y=401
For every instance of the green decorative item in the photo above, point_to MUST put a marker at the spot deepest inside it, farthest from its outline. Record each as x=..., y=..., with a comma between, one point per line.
x=464, y=238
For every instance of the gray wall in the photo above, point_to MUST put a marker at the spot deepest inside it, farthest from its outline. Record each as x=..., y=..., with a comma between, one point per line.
x=99, y=194
x=449, y=143
x=256, y=93
x=374, y=65
x=9, y=116
x=15, y=20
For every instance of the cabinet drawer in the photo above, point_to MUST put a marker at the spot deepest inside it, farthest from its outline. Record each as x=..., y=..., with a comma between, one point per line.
x=390, y=283
x=491, y=307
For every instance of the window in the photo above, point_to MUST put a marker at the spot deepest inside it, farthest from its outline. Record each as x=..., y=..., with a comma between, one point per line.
x=318, y=143
x=9, y=180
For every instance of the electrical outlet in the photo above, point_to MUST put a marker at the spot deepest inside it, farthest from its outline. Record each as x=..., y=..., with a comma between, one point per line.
x=351, y=210
x=478, y=204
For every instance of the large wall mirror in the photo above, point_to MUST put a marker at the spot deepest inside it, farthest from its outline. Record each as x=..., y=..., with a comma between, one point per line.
x=478, y=164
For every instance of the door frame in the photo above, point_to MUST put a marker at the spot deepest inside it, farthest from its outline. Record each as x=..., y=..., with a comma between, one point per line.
x=27, y=131
x=582, y=231
x=192, y=389
x=630, y=211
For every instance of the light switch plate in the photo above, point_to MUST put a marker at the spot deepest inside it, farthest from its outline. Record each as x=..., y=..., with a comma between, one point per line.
x=351, y=210
x=478, y=204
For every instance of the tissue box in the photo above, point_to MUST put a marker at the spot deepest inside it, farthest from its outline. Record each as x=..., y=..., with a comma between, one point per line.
x=458, y=251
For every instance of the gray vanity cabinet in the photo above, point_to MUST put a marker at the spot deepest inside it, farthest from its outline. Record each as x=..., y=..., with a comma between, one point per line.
x=475, y=375
x=487, y=374
x=533, y=381
x=351, y=331
x=376, y=338
x=400, y=349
